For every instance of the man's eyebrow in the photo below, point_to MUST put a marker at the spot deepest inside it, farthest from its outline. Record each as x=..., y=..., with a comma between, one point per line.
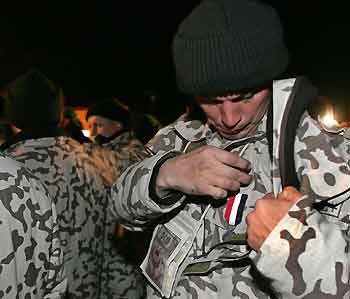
x=210, y=100
x=213, y=100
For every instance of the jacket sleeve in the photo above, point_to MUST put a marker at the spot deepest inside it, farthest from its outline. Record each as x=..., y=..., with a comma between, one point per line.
x=108, y=163
x=307, y=255
x=133, y=205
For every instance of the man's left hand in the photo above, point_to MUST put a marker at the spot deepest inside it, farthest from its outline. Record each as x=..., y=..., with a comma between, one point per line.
x=268, y=212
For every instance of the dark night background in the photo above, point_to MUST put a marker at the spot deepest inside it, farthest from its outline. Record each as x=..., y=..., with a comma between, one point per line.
x=118, y=48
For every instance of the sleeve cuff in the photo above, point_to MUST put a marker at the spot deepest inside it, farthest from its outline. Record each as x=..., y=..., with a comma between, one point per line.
x=173, y=196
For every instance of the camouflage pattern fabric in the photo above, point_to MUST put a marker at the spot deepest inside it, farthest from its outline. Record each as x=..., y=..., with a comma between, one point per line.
x=78, y=178
x=31, y=259
x=120, y=277
x=306, y=256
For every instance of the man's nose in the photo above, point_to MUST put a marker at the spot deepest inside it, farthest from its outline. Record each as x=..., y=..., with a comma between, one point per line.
x=230, y=114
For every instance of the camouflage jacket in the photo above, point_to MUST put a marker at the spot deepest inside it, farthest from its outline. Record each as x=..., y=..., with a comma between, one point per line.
x=31, y=259
x=306, y=256
x=78, y=178
x=120, y=277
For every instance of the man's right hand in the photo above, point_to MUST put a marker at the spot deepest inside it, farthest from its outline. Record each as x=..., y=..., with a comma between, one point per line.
x=205, y=171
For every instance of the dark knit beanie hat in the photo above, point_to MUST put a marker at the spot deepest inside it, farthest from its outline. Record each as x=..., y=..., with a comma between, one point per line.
x=33, y=101
x=110, y=109
x=228, y=45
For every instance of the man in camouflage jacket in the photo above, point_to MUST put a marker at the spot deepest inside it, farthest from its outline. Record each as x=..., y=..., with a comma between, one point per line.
x=226, y=51
x=31, y=258
x=78, y=178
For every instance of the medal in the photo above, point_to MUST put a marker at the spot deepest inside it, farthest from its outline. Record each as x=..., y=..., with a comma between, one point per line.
x=234, y=208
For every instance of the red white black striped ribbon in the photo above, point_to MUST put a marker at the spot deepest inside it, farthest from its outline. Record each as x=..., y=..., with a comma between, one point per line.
x=234, y=208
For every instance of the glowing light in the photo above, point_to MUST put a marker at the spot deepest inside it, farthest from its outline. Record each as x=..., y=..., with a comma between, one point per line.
x=86, y=133
x=329, y=121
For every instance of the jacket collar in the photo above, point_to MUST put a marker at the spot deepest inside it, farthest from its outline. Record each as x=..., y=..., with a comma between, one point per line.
x=33, y=133
x=196, y=130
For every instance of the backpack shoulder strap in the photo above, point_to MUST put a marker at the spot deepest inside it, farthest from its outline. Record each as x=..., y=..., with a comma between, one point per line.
x=301, y=95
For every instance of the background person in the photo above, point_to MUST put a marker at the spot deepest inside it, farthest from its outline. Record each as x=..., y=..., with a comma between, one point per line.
x=111, y=123
x=107, y=120
x=78, y=178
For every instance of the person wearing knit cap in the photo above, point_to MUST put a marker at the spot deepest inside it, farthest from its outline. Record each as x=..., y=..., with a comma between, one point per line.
x=107, y=120
x=110, y=123
x=78, y=179
x=34, y=101
x=210, y=176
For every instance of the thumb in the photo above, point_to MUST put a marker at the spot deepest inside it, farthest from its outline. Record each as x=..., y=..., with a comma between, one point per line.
x=291, y=194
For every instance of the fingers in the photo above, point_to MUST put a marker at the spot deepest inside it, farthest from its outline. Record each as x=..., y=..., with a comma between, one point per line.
x=230, y=168
x=215, y=192
x=233, y=160
x=251, y=238
x=291, y=194
x=229, y=178
x=268, y=196
x=205, y=171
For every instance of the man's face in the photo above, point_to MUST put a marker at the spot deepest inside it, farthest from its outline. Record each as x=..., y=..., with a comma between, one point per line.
x=234, y=117
x=105, y=127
